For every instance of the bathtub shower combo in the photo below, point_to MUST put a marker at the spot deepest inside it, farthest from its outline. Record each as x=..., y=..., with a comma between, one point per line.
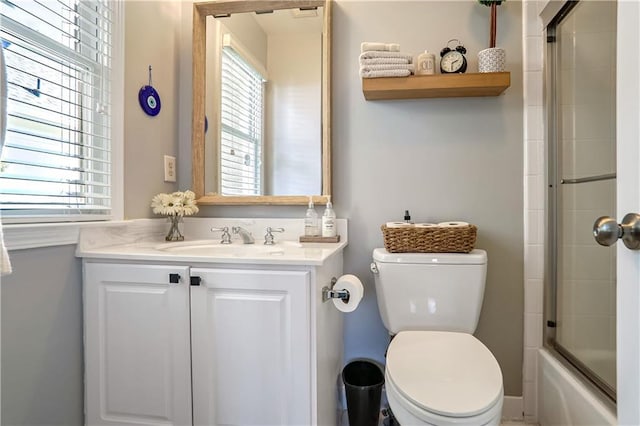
x=577, y=367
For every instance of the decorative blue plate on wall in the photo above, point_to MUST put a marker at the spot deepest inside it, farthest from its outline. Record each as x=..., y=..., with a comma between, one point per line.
x=149, y=100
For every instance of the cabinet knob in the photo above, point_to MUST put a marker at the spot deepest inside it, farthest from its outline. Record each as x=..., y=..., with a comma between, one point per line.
x=174, y=278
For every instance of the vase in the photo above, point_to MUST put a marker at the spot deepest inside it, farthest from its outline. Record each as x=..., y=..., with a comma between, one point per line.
x=174, y=233
x=491, y=60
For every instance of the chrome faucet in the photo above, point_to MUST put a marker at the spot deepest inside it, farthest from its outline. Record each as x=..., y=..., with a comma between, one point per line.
x=246, y=236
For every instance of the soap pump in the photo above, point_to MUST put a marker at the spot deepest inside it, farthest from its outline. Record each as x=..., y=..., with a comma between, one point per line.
x=329, y=221
x=311, y=220
x=407, y=216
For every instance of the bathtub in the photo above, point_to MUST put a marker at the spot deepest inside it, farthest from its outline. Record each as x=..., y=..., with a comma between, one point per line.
x=564, y=400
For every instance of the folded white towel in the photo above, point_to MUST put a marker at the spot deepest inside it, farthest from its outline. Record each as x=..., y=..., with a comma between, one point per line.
x=384, y=73
x=375, y=54
x=383, y=67
x=371, y=45
x=372, y=61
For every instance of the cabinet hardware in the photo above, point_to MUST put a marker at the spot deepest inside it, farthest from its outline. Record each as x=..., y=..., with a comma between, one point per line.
x=174, y=278
x=195, y=280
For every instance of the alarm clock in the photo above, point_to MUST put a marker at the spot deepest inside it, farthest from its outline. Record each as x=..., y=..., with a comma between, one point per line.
x=453, y=60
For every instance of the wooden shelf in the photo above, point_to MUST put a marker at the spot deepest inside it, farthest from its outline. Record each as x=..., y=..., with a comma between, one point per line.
x=436, y=86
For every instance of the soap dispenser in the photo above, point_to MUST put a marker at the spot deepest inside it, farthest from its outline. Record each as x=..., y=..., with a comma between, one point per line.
x=311, y=220
x=329, y=221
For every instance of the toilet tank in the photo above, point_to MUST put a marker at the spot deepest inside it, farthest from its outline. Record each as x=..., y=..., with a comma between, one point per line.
x=430, y=291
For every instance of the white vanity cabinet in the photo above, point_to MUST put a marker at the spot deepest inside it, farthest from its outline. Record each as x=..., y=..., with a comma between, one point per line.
x=137, y=349
x=225, y=344
x=251, y=343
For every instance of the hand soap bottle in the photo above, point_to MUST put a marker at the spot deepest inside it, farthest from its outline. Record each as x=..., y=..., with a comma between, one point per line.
x=329, y=221
x=311, y=221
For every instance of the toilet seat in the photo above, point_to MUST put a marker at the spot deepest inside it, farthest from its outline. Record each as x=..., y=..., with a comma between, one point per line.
x=407, y=413
x=442, y=375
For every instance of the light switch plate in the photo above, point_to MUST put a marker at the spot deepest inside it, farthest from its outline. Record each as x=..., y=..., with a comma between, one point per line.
x=169, y=168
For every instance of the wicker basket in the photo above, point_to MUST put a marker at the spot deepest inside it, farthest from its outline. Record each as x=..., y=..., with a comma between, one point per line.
x=429, y=240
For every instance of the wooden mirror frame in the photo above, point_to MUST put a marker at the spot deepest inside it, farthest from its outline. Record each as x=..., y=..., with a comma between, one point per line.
x=223, y=7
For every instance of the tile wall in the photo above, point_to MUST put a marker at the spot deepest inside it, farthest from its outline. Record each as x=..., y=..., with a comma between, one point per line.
x=534, y=199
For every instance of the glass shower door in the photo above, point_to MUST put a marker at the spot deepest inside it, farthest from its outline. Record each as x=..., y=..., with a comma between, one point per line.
x=582, y=177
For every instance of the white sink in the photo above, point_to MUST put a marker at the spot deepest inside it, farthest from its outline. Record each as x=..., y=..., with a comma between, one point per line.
x=215, y=248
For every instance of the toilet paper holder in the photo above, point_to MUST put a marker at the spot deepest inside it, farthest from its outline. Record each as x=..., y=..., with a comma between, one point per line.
x=329, y=293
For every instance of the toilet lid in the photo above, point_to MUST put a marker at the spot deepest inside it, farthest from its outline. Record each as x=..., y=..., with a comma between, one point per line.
x=447, y=373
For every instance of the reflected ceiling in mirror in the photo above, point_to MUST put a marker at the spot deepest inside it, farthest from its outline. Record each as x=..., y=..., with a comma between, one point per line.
x=265, y=81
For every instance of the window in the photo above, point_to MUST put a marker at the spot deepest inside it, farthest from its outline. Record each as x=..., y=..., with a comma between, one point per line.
x=242, y=122
x=56, y=161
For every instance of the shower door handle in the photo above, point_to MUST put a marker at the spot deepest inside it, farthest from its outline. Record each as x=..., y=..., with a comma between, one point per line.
x=606, y=231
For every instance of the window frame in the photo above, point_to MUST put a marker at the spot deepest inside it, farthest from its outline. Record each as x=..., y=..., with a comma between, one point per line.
x=116, y=127
x=25, y=232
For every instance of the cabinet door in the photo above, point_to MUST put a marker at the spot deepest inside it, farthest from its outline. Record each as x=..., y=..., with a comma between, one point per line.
x=251, y=347
x=136, y=345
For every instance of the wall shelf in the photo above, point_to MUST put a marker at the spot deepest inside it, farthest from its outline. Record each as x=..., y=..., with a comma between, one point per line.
x=436, y=86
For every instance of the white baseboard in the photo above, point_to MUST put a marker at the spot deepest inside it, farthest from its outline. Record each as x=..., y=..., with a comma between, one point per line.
x=512, y=408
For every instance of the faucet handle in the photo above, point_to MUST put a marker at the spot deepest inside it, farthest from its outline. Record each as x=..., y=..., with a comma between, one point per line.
x=268, y=238
x=226, y=237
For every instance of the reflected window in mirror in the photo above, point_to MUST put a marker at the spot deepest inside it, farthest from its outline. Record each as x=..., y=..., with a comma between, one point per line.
x=241, y=126
x=278, y=152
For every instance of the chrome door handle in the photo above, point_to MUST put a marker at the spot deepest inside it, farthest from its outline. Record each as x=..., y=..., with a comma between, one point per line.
x=606, y=231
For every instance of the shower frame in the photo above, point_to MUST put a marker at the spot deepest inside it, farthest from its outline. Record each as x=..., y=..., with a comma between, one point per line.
x=552, y=15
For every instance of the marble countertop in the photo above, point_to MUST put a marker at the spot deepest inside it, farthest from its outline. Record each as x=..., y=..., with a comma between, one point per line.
x=143, y=240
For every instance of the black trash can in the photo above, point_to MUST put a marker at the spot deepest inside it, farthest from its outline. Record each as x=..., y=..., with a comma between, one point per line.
x=363, y=382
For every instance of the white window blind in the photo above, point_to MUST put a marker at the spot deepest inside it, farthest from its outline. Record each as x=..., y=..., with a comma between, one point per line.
x=57, y=152
x=242, y=122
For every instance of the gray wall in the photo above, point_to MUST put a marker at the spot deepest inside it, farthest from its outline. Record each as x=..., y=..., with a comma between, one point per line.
x=443, y=159
x=42, y=338
x=151, y=38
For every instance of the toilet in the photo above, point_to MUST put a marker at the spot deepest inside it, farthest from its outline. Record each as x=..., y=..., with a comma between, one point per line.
x=437, y=372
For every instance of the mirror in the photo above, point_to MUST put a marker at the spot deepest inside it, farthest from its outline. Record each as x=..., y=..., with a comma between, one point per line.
x=290, y=157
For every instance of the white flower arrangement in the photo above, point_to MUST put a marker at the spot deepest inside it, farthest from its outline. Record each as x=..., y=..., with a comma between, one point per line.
x=175, y=204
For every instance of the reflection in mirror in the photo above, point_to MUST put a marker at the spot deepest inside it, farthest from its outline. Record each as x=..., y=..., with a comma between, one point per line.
x=264, y=77
x=265, y=87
